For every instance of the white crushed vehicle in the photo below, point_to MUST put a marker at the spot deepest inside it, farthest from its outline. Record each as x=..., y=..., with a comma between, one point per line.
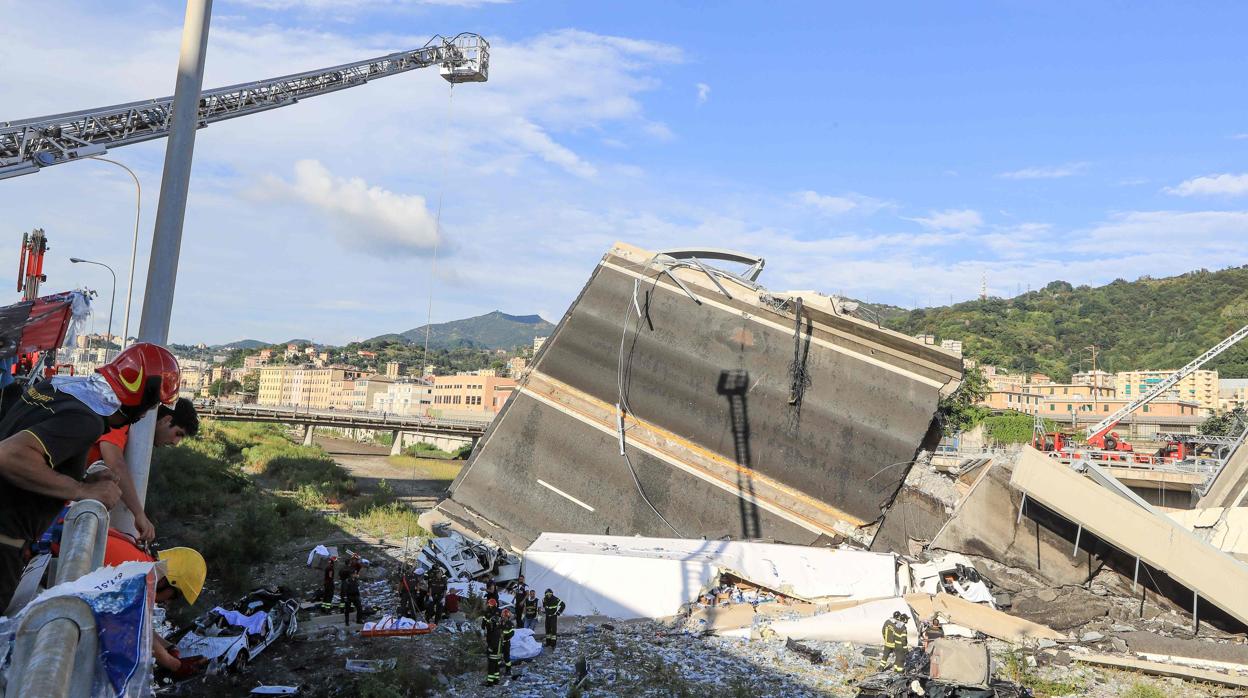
x=952, y=574
x=230, y=638
x=465, y=559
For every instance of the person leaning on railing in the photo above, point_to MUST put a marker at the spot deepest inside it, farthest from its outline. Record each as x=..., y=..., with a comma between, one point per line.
x=46, y=433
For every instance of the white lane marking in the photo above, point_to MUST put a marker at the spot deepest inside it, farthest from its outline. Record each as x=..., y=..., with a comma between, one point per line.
x=563, y=494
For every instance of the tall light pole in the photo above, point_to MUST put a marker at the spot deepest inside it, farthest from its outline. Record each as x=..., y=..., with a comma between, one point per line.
x=134, y=244
x=112, y=301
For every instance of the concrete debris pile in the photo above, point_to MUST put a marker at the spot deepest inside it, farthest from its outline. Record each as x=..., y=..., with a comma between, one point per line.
x=781, y=441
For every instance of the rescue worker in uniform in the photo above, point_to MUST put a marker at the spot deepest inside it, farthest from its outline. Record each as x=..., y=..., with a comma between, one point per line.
x=508, y=628
x=553, y=608
x=409, y=583
x=895, y=638
x=520, y=591
x=437, y=592
x=327, y=588
x=492, y=626
x=351, y=596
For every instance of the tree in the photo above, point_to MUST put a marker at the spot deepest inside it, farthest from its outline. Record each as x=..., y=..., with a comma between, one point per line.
x=251, y=383
x=961, y=410
x=221, y=387
x=1225, y=424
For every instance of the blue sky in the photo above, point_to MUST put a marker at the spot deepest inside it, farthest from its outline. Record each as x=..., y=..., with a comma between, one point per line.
x=897, y=153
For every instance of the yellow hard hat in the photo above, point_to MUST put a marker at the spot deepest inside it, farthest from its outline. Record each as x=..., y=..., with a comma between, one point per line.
x=186, y=571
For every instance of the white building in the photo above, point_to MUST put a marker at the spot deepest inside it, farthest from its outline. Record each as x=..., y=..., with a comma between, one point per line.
x=407, y=399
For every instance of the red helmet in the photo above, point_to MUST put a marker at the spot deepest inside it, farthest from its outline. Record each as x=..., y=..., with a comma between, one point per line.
x=142, y=375
x=491, y=602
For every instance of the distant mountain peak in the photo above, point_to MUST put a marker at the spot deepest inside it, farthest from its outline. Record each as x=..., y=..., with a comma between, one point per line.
x=493, y=330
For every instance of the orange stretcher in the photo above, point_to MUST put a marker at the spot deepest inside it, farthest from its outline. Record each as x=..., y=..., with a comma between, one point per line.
x=398, y=633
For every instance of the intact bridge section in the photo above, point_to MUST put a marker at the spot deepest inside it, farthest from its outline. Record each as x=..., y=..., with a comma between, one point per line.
x=446, y=434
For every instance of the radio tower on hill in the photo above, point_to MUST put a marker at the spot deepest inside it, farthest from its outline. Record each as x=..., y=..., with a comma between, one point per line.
x=983, y=287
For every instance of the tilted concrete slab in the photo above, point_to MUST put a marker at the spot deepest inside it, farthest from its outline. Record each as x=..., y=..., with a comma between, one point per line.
x=1140, y=531
x=705, y=381
x=1230, y=486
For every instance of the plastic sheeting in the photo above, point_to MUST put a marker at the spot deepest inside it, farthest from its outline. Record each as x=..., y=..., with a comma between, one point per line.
x=633, y=577
x=121, y=598
x=524, y=645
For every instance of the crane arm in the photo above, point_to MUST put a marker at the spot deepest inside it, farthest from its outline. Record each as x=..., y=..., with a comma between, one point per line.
x=30, y=144
x=1099, y=430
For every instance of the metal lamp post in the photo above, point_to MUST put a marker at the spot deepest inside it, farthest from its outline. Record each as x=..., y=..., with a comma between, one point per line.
x=134, y=244
x=112, y=301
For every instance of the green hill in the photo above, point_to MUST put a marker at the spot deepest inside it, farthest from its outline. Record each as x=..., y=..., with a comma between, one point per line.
x=496, y=330
x=1147, y=323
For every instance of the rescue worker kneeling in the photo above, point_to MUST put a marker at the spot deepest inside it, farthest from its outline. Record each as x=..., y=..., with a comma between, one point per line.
x=895, y=638
x=185, y=574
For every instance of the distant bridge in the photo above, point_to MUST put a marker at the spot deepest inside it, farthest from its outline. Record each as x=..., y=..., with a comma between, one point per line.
x=465, y=430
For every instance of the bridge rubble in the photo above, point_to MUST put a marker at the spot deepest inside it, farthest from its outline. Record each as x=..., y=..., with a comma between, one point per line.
x=675, y=397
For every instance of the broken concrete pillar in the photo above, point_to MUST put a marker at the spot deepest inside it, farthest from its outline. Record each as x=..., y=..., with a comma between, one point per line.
x=308, y=431
x=396, y=445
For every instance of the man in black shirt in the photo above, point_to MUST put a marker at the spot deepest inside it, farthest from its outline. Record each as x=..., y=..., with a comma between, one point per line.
x=553, y=607
x=45, y=435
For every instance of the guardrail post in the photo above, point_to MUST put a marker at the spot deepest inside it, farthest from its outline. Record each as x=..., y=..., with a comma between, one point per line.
x=55, y=648
x=83, y=540
x=54, y=651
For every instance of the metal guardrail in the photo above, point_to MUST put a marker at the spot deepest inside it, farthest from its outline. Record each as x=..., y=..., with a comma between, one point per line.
x=56, y=644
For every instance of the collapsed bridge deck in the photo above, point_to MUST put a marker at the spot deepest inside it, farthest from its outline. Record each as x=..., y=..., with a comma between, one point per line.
x=742, y=413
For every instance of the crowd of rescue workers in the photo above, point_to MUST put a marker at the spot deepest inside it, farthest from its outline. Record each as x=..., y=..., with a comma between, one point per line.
x=63, y=438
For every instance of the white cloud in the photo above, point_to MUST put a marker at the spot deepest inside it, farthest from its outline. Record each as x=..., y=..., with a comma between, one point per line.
x=379, y=221
x=1056, y=172
x=1219, y=233
x=1212, y=185
x=957, y=220
x=704, y=93
x=1240, y=137
x=838, y=205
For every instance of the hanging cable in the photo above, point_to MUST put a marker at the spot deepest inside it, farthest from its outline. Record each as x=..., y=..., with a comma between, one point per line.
x=621, y=406
x=433, y=268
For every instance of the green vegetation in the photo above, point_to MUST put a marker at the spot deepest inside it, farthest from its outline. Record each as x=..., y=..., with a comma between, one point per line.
x=1144, y=690
x=433, y=468
x=1013, y=427
x=1225, y=424
x=1148, y=323
x=1015, y=669
x=239, y=492
x=961, y=411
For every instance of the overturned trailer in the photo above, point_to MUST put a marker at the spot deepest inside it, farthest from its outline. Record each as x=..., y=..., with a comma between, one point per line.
x=678, y=398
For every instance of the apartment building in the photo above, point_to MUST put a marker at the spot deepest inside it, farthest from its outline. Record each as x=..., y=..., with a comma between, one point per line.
x=1198, y=386
x=469, y=395
x=312, y=388
x=408, y=399
x=1099, y=378
x=1232, y=393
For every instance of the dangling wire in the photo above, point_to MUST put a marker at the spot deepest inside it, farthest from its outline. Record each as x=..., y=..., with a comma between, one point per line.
x=433, y=268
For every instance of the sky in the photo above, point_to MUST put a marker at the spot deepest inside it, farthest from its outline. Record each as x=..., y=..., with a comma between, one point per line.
x=901, y=153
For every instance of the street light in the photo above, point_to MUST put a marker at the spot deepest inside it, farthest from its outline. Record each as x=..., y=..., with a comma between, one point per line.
x=111, y=302
x=134, y=245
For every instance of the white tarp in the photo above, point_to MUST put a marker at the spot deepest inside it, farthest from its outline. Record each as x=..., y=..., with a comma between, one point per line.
x=633, y=577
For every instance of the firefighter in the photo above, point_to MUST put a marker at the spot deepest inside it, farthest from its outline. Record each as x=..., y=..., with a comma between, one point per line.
x=327, y=589
x=351, y=596
x=409, y=583
x=508, y=627
x=491, y=591
x=492, y=627
x=553, y=608
x=520, y=591
x=437, y=593
x=895, y=641
x=530, y=611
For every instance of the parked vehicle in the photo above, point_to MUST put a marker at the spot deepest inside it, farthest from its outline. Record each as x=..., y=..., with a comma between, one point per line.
x=270, y=614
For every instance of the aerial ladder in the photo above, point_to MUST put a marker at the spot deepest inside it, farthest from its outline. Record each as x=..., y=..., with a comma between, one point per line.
x=28, y=145
x=1101, y=436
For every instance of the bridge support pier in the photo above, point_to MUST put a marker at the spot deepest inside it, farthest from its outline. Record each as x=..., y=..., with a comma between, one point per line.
x=308, y=432
x=396, y=447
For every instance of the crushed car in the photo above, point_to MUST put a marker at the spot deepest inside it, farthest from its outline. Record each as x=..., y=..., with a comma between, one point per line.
x=955, y=668
x=230, y=637
x=465, y=559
